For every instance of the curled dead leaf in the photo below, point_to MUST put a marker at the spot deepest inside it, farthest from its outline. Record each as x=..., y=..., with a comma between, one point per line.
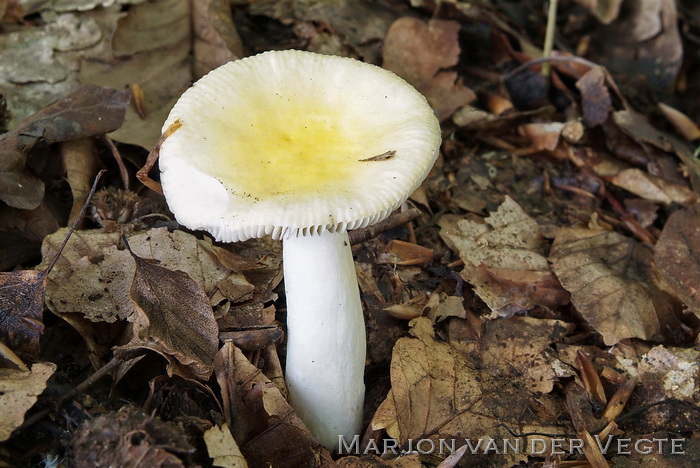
x=173, y=317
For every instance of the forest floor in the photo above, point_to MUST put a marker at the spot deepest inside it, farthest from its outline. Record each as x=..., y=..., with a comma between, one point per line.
x=536, y=302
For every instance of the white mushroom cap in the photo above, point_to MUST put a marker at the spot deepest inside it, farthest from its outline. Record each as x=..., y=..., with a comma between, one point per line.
x=274, y=144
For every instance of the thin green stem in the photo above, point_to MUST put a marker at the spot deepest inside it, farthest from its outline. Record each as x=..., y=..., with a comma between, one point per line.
x=549, y=36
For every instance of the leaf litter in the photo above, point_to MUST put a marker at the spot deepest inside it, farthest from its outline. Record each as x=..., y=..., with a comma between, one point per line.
x=545, y=288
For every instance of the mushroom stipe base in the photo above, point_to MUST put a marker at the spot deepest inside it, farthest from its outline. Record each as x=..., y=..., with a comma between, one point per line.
x=326, y=335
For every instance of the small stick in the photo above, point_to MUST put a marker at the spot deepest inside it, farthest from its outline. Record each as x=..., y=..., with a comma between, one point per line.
x=97, y=375
x=360, y=235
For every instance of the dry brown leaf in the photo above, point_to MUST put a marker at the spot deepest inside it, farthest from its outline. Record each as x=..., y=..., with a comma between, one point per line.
x=266, y=426
x=408, y=310
x=216, y=40
x=19, y=390
x=39, y=62
x=174, y=318
x=443, y=306
x=21, y=310
x=653, y=188
x=466, y=389
x=595, y=98
x=542, y=136
x=88, y=111
x=223, y=449
x=610, y=278
x=675, y=255
x=92, y=276
x=418, y=51
x=503, y=259
x=681, y=122
x=637, y=127
x=405, y=253
x=80, y=159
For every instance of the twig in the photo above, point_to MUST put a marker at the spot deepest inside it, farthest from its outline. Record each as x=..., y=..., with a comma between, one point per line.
x=123, y=173
x=360, y=235
x=97, y=375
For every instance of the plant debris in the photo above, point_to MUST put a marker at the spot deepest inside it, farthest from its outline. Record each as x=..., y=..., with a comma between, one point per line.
x=536, y=302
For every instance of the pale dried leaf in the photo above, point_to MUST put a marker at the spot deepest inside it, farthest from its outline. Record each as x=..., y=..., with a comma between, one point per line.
x=503, y=260
x=19, y=390
x=223, y=449
x=681, y=122
x=653, y=188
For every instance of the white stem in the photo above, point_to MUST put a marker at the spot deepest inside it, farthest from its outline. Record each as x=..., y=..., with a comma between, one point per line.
x=326, y=335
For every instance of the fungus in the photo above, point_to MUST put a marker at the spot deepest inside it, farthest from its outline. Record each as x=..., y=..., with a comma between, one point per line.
x=302, y=147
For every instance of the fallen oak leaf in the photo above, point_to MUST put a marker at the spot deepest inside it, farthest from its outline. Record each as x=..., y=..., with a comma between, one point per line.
x=88, y=111
x=172, y=317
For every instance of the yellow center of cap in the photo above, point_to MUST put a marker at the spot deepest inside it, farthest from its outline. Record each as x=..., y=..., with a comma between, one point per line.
x=290, y=149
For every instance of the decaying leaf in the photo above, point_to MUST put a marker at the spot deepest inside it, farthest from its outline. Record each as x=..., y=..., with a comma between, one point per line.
x=467, y=389
x=130, y=438
x=610, y=278
x=223, y=449
x=676, y=258
x=19, y=390
x=88, y=111
x=21, y=310
x=671, y=373
x=261, y=419
x=595, y=98
x=418, y=51
x=173, y=317
x=653, y=188
x=503, y=260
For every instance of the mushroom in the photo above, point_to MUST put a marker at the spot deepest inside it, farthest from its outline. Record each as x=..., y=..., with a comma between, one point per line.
x=302, y=147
